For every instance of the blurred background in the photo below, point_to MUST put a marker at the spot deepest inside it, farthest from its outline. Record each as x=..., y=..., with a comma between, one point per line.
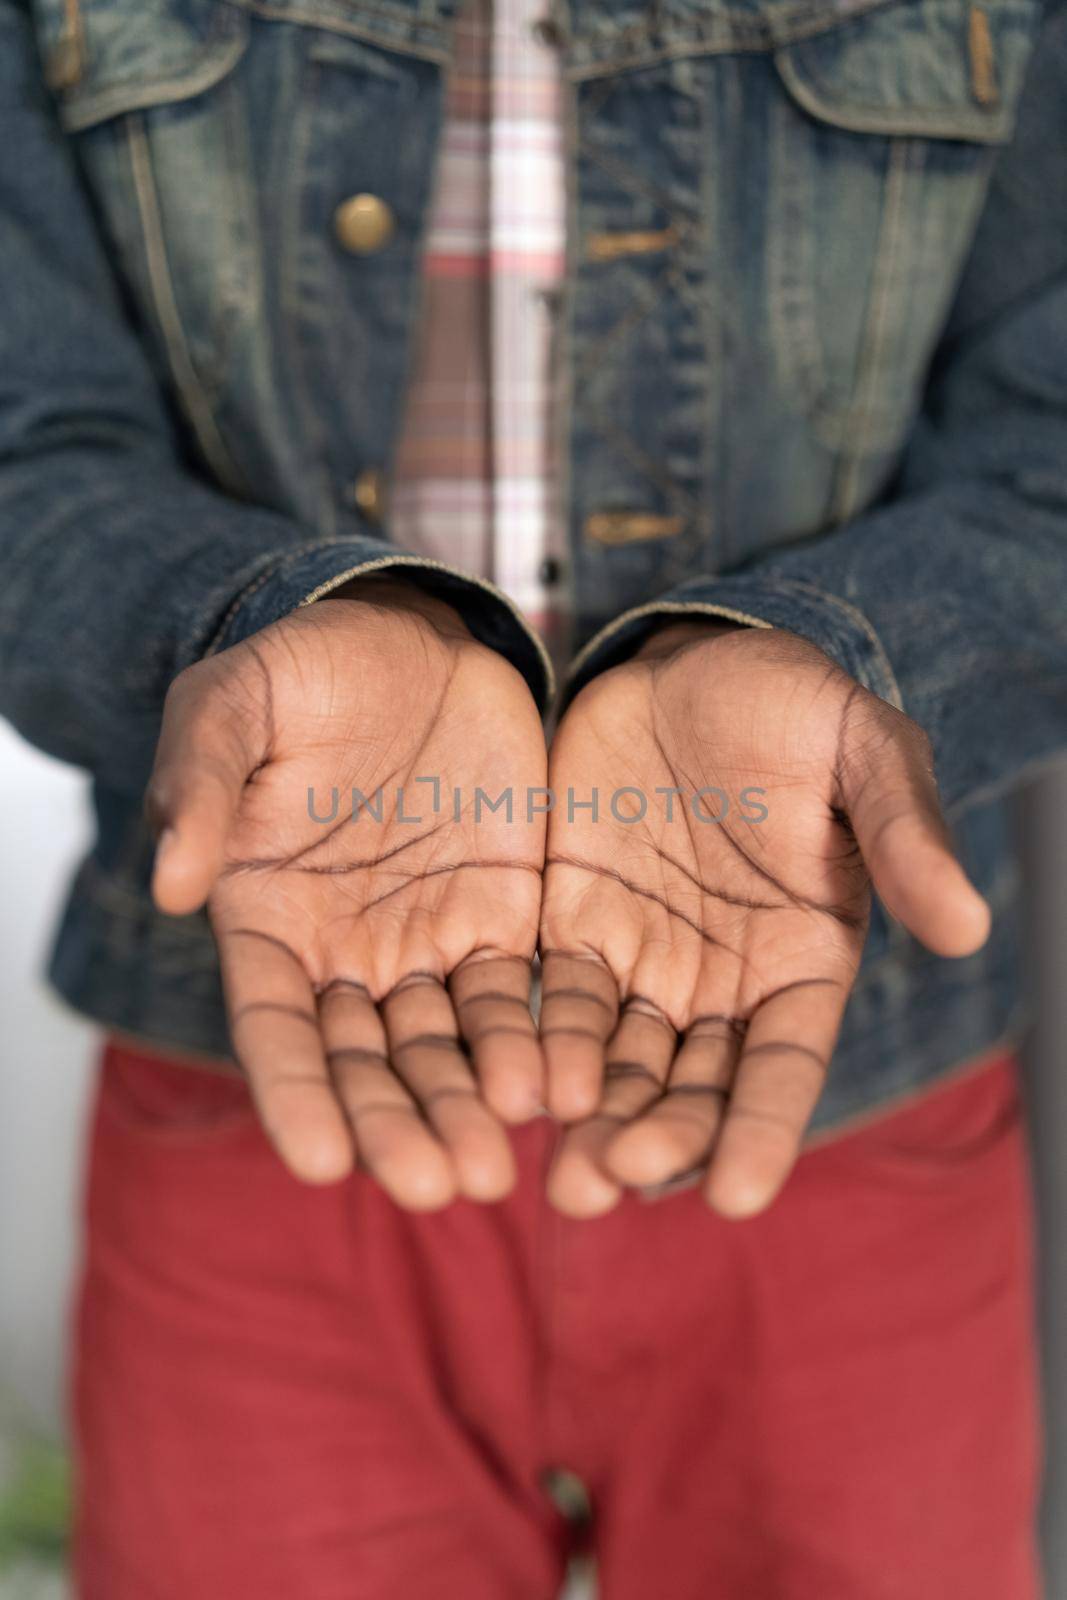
x=46, y=1056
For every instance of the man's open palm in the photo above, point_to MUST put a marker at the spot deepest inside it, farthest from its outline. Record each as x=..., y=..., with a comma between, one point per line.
x=696, y=970
x=376, y=971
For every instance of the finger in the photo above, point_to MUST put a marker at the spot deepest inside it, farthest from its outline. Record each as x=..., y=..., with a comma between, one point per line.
x=491, y=996
x=779, y=1077
x=202, y=762
x=678, y=1131
x=392, y=1140
x=638, y=1059
x=891, y=798
x=579, y=1010
x=425, y=1050
x=578, y=1184
x=275, y=1030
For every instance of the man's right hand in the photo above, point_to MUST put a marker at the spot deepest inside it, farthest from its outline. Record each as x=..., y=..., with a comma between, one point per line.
x=376, y=974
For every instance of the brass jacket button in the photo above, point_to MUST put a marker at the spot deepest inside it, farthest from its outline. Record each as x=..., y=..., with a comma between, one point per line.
x=368, y=492
x=363, y=224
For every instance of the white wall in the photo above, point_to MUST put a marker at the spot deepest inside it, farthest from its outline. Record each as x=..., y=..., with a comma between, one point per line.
x=45, y=1055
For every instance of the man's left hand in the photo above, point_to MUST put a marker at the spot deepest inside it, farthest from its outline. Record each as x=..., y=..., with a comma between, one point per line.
x=700, y=940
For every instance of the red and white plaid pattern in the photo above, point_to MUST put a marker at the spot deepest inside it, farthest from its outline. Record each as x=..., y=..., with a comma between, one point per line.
x=472, y=483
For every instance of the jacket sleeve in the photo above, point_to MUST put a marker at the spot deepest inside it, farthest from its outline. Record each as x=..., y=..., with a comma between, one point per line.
x=950, y=599
x=118, y=565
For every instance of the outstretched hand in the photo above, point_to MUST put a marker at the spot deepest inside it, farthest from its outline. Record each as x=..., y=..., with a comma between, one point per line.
x=696, y=970
x=376, y=972
x=700, y=932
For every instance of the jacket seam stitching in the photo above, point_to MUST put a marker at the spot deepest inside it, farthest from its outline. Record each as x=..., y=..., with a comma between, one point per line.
x=873, y=340
x=186, y=381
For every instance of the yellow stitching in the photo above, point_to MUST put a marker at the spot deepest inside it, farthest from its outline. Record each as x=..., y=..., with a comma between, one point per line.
x=983, y=59
x=873, y=348
x=625, y=527
x=658, y=608
x=190, y=391
x=608, y=246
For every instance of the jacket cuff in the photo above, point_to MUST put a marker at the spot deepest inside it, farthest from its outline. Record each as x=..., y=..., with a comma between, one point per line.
x=833, y=624
x=308, y=573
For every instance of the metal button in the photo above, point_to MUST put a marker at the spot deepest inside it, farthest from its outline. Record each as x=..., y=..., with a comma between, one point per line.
x=363, y=224
x=368, y=492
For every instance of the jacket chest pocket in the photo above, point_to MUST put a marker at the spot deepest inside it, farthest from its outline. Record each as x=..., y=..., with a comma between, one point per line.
x=775, y=202
x=145, y=89
x=220, y=140
x=880, y=149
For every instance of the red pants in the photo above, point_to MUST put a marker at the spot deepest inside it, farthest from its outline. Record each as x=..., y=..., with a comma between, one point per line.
x=285, y=1393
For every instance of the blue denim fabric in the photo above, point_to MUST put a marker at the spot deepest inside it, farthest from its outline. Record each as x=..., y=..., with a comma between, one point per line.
x=814, y=333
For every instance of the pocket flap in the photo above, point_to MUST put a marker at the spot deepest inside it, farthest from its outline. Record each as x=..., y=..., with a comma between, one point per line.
x=933, y=68
x=105, y=57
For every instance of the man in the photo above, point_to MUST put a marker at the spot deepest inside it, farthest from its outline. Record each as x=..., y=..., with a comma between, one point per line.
x=810, y=425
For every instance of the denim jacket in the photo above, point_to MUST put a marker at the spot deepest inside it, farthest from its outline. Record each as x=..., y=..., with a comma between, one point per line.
x=814, y=340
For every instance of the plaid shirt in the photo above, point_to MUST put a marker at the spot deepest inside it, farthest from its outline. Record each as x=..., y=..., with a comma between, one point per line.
x=472, y=483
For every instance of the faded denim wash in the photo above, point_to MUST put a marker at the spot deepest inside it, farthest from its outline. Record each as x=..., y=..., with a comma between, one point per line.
x=814, y=335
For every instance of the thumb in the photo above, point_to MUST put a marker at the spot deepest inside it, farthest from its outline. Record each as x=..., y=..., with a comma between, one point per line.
x=202, y=762
x=890, y=795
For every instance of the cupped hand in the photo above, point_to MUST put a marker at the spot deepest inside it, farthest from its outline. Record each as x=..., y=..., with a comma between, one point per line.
x=695, y=969
x=376, y=968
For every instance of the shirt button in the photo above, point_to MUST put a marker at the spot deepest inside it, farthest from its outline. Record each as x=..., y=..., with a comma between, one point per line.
x=550, y=571
x=363, y=224
x=567, y=1493
x=547, y=32
x=368, y=493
